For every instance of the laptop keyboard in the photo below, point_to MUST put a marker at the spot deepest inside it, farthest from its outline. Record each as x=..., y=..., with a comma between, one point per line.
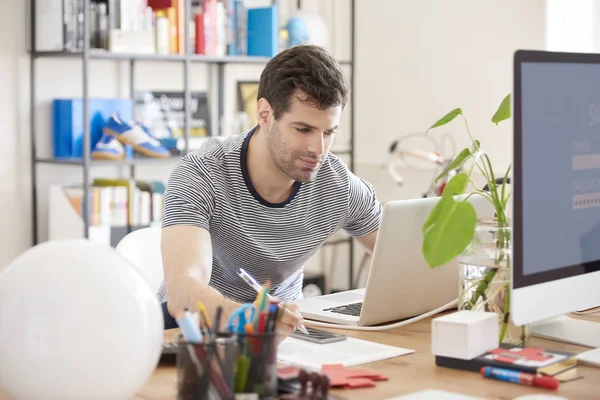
x=347, y=309
x=169, y=347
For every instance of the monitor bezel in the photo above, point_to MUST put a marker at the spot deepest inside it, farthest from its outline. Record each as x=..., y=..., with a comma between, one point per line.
x=521, y=280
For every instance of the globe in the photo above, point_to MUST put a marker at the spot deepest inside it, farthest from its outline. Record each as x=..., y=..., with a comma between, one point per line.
x=306, y=27
x=77, y=321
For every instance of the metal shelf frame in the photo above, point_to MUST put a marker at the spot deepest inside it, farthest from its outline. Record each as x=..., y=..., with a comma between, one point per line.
x=88, y=54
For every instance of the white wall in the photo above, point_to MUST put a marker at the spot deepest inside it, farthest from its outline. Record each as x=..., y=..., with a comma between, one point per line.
x=421, y=59
x=15, y=220
x=573, y=26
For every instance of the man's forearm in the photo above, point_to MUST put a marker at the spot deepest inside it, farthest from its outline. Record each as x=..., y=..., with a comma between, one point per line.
x=187, y=292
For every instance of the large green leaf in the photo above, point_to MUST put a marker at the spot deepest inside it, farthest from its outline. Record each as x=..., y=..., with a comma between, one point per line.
x=449, y=232
x=434, y=215
x=446, y=118
x=460, y=159
x=457, y=185
x=503, y=111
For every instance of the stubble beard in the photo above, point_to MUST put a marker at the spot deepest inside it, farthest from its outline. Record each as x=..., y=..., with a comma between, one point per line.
x=286, y=162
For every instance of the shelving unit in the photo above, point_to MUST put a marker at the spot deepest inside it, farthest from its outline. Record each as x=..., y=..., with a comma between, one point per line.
x=88, y=54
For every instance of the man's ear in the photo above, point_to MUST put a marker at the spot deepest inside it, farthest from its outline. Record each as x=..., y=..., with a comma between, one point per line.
x=265, y=112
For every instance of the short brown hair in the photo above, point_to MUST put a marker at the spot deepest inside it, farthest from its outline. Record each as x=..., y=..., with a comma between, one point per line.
x=308, y=68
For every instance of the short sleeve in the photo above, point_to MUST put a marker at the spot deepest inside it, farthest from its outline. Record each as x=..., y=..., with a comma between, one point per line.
x=364, y=210
x=189, y=195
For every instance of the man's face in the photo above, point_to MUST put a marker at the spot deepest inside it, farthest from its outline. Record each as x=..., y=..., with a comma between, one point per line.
x=301, y=139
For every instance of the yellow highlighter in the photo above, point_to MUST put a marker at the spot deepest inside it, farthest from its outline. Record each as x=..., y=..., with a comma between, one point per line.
x=204, y=313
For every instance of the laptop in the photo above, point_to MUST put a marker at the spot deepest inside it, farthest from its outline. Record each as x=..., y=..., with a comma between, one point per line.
x=400, y=284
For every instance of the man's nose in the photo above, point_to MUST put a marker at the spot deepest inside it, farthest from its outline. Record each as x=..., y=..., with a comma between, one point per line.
x=317, y=144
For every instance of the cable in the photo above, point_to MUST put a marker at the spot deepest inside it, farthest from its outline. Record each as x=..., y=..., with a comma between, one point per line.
x=445, y=307
x=588, y=311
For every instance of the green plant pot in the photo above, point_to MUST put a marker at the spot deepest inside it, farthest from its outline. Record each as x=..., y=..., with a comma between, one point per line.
x=484, y=281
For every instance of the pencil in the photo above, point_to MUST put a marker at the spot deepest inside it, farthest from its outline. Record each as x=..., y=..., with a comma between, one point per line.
x=202, y=310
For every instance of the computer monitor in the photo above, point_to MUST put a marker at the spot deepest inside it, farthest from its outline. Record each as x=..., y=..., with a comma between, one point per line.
x=556, y=193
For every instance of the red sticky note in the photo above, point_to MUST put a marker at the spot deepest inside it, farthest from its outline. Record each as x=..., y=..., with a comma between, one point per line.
x=351, y=377
x=286, y=373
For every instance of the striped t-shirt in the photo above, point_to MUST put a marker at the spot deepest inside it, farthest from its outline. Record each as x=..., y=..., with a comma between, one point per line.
x=211, y=189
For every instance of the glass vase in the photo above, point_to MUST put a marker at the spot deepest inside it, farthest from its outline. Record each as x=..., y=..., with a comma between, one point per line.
x=484, y=283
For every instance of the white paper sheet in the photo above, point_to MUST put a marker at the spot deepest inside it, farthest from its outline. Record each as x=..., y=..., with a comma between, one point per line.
x=347, y=352
x=434, y=394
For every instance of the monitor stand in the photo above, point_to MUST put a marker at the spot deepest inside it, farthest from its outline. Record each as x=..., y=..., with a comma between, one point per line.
x=569, y=330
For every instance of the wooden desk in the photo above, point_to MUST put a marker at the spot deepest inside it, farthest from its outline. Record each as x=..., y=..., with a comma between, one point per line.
x=417, y=371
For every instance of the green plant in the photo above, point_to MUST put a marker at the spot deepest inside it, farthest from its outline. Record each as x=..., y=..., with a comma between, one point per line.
x=451, y=224
x=450, y=227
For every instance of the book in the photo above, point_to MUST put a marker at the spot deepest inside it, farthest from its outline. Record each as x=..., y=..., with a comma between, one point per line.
x=163, y=113
x=524, y=359
x=263, y=31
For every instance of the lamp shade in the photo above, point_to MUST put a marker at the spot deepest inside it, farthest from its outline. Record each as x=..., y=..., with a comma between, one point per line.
x=77, y=321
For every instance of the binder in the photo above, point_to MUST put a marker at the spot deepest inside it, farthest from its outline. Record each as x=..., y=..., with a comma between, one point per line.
x=262, y=31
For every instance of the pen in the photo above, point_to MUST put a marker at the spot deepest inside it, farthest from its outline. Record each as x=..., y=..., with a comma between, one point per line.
x=256, y=286
x=272, y=318
x=509, y=375
x=217, y=322
x=250, y=281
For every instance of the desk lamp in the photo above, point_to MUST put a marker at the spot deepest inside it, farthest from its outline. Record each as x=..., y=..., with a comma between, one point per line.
x=77, y=321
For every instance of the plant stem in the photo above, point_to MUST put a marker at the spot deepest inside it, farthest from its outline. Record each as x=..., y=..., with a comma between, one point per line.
x=481, y=288
x=505, y=200
x=482, y=193
x=506, y=315
x=504, y=187
x=468, y=130
x=475, y=185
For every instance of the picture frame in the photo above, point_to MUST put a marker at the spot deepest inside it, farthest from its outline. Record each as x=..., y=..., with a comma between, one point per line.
x=247, y=98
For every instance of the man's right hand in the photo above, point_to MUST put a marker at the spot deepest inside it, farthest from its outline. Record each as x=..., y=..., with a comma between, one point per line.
x=289, y=320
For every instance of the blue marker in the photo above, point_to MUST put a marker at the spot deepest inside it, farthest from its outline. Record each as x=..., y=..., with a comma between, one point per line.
x=523, y=378
x=191, y=331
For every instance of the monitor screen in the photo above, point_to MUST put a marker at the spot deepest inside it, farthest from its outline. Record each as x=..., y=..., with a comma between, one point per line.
x=557, y=160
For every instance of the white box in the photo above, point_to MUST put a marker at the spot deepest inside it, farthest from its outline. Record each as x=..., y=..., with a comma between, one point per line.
x=464, y=334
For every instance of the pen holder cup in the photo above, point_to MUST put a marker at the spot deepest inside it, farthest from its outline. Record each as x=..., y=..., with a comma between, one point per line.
x=206, y=371
x=256, y=365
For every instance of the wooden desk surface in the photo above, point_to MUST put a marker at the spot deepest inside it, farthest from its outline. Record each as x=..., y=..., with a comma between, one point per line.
x=417, y=371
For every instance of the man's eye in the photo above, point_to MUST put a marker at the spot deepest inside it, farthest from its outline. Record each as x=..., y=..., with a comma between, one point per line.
x=303, y=130
x=329, y=133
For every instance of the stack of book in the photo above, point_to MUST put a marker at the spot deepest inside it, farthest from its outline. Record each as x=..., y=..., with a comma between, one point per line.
x=116, y=207
x=215, y=27
x=524, y=359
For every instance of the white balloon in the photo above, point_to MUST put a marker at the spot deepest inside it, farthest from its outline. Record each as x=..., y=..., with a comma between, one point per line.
x=77, y=321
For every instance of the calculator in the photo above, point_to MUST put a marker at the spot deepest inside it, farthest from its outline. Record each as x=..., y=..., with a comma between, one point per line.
x=318, y=336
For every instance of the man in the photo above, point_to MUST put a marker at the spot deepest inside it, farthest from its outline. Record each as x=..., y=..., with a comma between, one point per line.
x=267, y=199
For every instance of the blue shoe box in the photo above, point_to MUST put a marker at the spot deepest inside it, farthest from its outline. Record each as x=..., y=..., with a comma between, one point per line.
x=67, y=123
